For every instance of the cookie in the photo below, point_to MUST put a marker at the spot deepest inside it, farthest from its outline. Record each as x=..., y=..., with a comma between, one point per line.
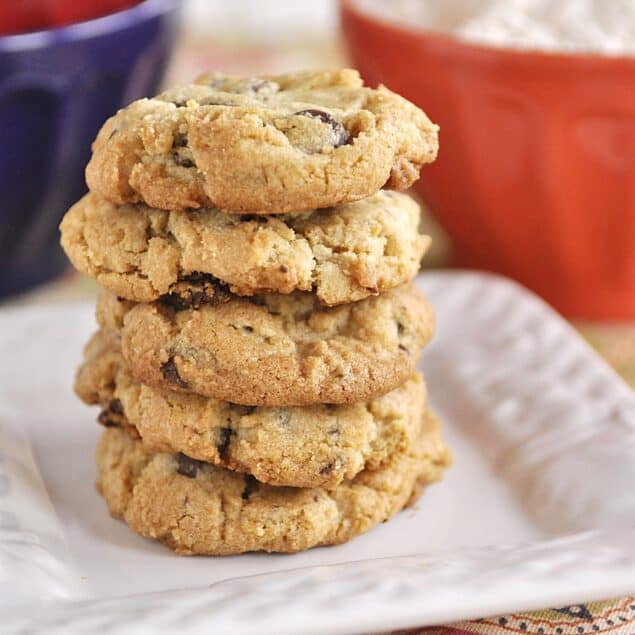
x=275, y=350
x=344, y=254
x=196, y=508
x=310, y=446
x=94, y=383
x=273, y=145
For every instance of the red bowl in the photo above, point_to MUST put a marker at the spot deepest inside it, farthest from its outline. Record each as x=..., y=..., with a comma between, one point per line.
x=536, y=173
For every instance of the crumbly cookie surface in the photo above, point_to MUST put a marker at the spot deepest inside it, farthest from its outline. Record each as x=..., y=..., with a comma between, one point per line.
x=275, y=144
x=344, y=254
x=275, y=350
x=310, y=446
x=196, y=508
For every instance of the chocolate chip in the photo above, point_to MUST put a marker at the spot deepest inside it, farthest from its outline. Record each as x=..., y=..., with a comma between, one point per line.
x=225, y=435
x=341, y=134
x=180, y=140
x=171, y=374
x=111, y=418
x=182, y=162
x=283, y=269
x=248, y=329
x=188, y=466
x=258, y=85
x=401, y=331
x=327, y=469
x=256, y=218
x=179, y=145
x=244, y=411
x=194, y=290
x=116, y=406
x=105, y=420
x=196, y=277
x=251, y=485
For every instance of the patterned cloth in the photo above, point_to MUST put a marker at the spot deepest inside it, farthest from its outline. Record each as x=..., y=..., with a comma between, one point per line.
x=608, y=616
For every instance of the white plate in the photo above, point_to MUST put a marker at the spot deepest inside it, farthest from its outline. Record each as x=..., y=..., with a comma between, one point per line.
x=539, y=509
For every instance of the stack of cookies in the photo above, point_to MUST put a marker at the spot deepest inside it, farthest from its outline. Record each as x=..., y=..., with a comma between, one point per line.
x=255, y=362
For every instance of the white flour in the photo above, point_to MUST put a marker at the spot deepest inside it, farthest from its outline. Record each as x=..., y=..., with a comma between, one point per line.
x=595, y=26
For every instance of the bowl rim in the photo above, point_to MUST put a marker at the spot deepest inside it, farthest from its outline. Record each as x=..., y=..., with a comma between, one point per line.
x=87, y=29
x=348, y=9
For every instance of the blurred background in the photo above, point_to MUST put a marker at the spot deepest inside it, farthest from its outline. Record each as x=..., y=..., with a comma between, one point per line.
x=535, y=177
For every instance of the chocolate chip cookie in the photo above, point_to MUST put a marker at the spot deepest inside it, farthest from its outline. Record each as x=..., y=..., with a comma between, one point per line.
x=310, y=446
x=273, y=145
x=196, y=508
x=344, y=254
x=274, y=350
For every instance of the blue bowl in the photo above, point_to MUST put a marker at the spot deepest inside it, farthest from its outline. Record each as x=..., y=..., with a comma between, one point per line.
x=56, y=89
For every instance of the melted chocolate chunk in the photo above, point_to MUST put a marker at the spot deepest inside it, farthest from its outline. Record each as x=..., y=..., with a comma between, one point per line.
x=171, y=374
x=225, y=435
x=116, y=406
x=114, y=418
x=187, y=466
x=183, y=162
x=341, y=134
x=401, y=332
x=106, y=420
x=257, y=218
x=244, y=411
x=179, y=147
x=251, y=485
x=196, y=277
x=192, y=291
x=180, y=140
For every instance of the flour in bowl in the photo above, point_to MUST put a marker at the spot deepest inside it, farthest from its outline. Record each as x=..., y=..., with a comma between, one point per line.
x=584, y=26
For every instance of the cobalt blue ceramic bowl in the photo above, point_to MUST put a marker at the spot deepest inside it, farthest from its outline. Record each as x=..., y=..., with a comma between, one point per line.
x=56, y=89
